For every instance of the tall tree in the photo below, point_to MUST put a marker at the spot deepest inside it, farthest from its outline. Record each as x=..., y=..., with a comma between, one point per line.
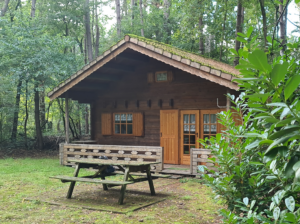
x=239, y=28
x=142, y=18
x=264, y=17
x=88, y=30
x=118, y=18
x=5, y=7
x=97, y=30
x=282, y=22
x=223, y=29
x=167, y=7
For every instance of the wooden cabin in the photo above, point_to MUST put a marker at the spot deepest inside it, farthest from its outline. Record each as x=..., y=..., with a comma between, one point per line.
x=146, y=93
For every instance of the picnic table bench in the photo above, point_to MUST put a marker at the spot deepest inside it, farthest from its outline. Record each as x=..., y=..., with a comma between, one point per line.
x=126, y=168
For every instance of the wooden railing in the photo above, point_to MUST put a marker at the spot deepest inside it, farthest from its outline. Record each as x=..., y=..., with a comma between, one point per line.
x=114, y=152
x=200, y=157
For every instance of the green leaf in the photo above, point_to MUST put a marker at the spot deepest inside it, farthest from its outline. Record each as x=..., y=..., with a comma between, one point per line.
x=241, y=34
x=252, y=145
x=289, y=167
x=297, y=176
x=276, y=213
x=291, y=86
x=256, y=163
x=290, y=217
x=283, y=132
x=276, y=105
x=233, y=51
x=259, y=59
x=269, y=39
x=241, y=39
x=249, y=32
x=285, y=112
x=266, y=141
x=278, y=73
x=283, y=150
x=270, y=155
x=246, y=201
x=254, y=135
x=297, y=1
x=290, y=203
x=296, y=166
x=278, y=141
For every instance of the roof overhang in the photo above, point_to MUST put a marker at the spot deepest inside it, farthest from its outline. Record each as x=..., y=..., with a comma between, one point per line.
x=212, y=71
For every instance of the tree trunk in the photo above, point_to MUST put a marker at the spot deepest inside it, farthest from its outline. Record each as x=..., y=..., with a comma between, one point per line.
x=263, y=13
x=223, y=30
x=132, y=12
x=33, y=8
x=201, y=39
x=16, y=112
x=5, y=7
x=124, y=7
x=86, y=120
x=118, y=18
x=88, y=31
x=85, y=51
x=167, y=6
x=38, y=130
x=79, y=119
x=97, y=32
x=282, y=25
x=142, y=19
x=26, y=116
x=239, y=29
x=43, y=109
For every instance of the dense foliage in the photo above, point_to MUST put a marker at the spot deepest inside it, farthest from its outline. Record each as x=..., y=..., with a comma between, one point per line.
x=260, y=160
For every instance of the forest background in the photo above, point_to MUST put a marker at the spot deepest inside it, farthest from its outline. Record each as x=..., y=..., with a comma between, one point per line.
x=43, y=42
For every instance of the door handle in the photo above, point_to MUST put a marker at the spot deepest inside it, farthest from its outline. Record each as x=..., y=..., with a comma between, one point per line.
x=160, y=134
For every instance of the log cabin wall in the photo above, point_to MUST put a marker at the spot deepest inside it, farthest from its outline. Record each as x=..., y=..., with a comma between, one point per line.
x=133, y=93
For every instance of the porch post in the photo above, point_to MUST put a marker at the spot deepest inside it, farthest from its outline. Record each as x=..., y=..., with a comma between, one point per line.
x=67, y=118
x=228, y=102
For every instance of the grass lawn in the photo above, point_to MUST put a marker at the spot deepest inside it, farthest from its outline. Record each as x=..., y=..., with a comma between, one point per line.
x=187, y=201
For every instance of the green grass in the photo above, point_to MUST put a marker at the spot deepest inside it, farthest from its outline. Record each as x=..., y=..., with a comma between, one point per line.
x=29, y=178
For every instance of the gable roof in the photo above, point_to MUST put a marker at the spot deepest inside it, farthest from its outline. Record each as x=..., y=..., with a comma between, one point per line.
x=209, y=69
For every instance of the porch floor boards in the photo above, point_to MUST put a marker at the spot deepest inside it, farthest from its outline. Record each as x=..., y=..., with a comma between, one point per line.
x=176, y=169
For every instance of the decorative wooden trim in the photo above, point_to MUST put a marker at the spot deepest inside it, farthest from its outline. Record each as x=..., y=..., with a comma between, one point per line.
x=201, y=157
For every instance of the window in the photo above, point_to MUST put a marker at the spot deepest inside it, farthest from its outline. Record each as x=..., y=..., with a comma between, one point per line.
x=209, y=123
x=123, y=124
x=130, y=124
x=161, y=76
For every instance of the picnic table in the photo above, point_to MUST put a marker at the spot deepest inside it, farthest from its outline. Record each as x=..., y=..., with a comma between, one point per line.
x=127, y=167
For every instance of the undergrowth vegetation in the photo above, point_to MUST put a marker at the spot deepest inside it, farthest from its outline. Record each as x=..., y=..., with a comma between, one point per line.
x=259, y=161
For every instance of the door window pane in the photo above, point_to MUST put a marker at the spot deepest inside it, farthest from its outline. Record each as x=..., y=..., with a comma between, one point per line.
x=206, y=118
x=129, y=118
x=117, y=118
x=123, y=128
x=186, y=129
x=186, y=139
x=117, y=129
x=213, y=118
x=213, y=129
x=129, y=129
x=185, y=118
x=193, y=129
x=206, y=129
x=192, y=139
x=186, y=149
x=123, y=118
x=193, y=117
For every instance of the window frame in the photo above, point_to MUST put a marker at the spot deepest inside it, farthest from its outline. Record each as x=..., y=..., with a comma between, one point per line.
x=114, y=123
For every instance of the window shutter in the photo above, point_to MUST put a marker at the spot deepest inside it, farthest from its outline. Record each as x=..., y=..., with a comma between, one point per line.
x=170, y=76
x=106, y=124
x=138, y=124
x=150, y=77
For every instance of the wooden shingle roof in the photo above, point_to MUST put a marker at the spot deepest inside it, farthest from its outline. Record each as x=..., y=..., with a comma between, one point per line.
x=209, y=69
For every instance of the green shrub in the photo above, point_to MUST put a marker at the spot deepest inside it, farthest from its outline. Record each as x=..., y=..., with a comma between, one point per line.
x=259, y=160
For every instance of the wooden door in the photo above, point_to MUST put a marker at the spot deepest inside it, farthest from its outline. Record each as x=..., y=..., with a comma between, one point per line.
x=169, y=135
x=189, y=134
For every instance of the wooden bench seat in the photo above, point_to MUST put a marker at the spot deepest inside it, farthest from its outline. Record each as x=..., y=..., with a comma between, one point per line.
x=90, y=180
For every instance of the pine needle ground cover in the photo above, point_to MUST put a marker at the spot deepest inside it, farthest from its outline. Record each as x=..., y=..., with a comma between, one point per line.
x=186, y=200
